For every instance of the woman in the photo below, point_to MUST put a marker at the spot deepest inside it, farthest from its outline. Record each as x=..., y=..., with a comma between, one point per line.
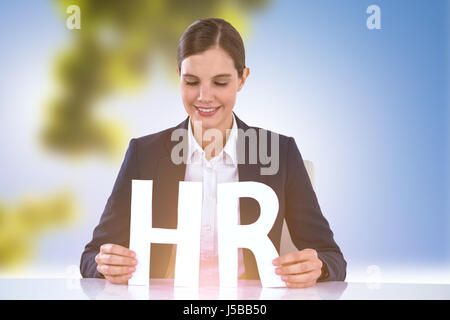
x=211, y=66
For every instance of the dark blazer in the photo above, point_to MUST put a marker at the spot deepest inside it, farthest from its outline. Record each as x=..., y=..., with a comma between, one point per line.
x=148, y=158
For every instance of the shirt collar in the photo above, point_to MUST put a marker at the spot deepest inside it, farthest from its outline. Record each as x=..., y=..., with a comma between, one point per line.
x=229, y=148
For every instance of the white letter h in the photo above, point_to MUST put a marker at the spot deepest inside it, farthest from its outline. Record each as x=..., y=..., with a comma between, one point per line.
x=186, y=236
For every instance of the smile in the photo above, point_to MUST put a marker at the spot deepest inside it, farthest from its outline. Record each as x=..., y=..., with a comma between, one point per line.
x=207, y=111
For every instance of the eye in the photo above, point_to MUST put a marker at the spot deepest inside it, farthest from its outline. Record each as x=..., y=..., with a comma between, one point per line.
x=191, y=83
x=222, y=84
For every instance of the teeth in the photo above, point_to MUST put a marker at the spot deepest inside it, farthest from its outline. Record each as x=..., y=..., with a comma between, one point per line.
x=207, y=110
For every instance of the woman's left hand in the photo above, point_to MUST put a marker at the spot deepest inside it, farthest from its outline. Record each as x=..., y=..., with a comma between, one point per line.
x=299, y=269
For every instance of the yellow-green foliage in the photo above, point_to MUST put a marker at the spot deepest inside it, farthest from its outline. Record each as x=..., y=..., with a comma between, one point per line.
x=22, y=224
x=112, y=52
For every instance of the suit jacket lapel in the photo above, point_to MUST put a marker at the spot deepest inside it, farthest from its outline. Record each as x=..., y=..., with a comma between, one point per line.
x=165, y=193
x=249, y=208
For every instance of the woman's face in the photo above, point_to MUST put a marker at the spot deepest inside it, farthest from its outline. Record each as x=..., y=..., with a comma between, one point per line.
x=209, y=83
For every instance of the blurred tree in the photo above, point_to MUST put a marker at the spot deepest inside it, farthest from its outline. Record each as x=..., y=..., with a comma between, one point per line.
x=21, y=225
x=113, y=51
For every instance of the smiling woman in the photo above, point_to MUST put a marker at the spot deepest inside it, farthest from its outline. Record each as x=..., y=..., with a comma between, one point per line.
x=211, y=66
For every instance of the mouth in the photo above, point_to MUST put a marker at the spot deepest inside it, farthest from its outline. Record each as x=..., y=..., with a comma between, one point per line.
x=206, y=111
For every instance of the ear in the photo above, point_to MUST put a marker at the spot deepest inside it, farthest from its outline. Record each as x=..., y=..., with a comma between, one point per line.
x=178, y=71
x=245, y=74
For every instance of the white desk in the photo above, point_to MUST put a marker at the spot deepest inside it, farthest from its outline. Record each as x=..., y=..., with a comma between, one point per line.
x=163, y=289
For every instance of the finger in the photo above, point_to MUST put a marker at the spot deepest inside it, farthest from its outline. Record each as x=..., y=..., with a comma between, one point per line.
x=112, y=259
x=302, y=277
x=123, y=279
x=297, y=256
x=117, y=249
x=295, y=268
x=109, y=270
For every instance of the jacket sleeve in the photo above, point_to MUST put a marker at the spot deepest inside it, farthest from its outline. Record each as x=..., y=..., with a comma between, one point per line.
x=307, y=226
x=114, y=226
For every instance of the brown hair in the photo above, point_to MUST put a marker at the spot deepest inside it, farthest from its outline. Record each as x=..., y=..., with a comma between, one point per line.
x=206, y=33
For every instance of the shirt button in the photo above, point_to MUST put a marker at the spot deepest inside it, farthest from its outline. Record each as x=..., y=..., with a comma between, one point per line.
x=208, y=228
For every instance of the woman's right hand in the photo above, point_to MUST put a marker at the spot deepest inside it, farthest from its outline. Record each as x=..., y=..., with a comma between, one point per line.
x=116, y=263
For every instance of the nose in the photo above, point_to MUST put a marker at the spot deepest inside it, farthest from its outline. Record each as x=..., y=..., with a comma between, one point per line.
x=205, y=95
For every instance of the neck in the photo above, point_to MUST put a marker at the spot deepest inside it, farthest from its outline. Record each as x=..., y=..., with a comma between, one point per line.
x=212, y=140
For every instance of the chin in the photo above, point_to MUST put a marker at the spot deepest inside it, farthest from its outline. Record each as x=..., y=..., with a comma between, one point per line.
x=209, y=123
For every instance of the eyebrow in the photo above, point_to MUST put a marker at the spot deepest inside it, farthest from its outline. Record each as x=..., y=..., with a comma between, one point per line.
x=222, y=75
